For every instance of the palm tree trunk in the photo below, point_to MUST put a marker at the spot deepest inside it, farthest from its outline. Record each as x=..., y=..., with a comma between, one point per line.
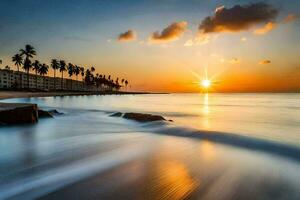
x=21, y=80
x=36, y=80
x=28, y=79
x=54, y=79
x=44, y=82
x=62, y=80
x=76, y=82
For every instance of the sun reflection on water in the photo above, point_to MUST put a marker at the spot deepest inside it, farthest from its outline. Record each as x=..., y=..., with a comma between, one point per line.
x=172, y=181
x=206, y=111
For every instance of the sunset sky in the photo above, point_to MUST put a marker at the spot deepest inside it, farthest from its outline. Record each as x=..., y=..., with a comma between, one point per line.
x=164, y=45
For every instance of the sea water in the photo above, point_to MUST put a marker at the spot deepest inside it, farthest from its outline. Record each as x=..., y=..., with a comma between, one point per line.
x=218, y=146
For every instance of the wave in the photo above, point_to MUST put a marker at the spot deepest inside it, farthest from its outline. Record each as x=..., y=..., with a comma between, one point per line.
x=275, y=148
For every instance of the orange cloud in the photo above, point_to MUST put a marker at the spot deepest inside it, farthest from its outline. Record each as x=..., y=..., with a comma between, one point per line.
x=127, y=36
x=238, y=18
x=201, y=39
x=170, y=33
x=265, y=62
x=265, y=29
x=290, y=18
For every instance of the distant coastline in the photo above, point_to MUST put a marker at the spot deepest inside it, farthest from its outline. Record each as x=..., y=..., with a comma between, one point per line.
x=27, y=94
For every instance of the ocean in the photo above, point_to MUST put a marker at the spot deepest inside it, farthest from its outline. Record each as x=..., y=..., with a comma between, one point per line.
x=218, y=146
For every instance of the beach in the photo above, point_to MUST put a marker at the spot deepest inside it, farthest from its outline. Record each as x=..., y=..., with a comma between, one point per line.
x=209, y=151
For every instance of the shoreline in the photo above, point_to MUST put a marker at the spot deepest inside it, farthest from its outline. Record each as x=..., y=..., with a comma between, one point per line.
x=29, y=94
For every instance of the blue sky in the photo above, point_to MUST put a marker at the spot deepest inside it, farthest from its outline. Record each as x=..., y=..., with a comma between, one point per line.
x=79, y=31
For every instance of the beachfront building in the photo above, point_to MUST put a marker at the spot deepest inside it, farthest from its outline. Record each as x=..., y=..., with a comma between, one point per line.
x=10, y=79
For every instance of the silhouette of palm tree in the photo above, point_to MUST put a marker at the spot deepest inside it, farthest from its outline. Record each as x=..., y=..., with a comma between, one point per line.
x=62, y=68
x=36, y=67
x=43, y=71
x=82, y=72
x=126, y=83
x=29, y=52
x=71, y=72
x=92, y=69
x=55, y=66
x=18, y=61
x=76, y=71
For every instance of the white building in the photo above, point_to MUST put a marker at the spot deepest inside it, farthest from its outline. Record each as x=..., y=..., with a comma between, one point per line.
x=10, y=79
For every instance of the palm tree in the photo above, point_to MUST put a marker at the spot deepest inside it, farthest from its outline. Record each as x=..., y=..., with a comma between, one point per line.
x=92, y=69
x=82, y=72
x=29, y=52
x=36, y=67
x=62, y=68
x=55, y=66
x=76, y=72
x=71, y=72
x=27, y=65
x=44, y=70
x=82, y=75
x=126, y=83
x=18, y=60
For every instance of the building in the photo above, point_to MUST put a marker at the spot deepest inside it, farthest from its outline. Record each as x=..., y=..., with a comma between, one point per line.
x=10, y=79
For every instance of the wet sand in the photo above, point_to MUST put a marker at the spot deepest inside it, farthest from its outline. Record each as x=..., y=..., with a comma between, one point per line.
x=191, y=170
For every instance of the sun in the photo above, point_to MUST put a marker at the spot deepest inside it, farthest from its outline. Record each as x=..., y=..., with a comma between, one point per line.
x=205, y=83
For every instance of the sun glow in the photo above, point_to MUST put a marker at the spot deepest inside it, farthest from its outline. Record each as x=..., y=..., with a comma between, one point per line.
x=205, y=83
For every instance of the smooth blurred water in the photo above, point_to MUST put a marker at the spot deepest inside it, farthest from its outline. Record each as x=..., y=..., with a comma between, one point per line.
x=84, y=152
x=268, y=116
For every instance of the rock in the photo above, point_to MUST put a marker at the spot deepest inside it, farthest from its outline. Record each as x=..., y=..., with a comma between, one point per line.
x=117, y=114
x=18, y=113
x=55, y=112
x=44, y=114
x=143, y=117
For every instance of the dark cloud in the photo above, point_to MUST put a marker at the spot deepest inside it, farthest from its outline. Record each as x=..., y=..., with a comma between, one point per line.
x=127, y=36
x=170, y=33
x=238, y=18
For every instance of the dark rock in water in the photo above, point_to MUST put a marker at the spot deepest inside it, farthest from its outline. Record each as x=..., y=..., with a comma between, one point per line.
x=143, y=117
x=18, y=113
x=44, y=114
x=55, y=112
x=117, y=114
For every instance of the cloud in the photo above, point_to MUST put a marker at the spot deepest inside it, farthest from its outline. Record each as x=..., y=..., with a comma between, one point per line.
x=265, y=29
x=238, y=18
x=170, y=33
x=127, y=36
x=264, y=62
x=201, y=39
x=290, y=18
